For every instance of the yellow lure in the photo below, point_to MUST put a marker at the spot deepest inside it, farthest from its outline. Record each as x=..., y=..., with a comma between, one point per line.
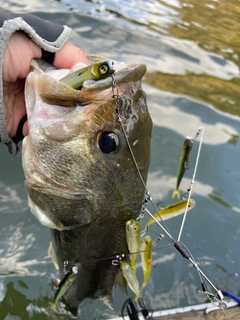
x=134, y=240
x=146, y=255
x=171, y=211
x=130, y=278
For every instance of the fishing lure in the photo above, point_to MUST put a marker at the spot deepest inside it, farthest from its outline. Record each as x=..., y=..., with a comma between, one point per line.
x=96, y=71
x=134, y=240
x=146, y=255
x=136, y=245
x=171, y=211
x=130, y=278
x=180, y=247
x=183, y=163
x=64, y=285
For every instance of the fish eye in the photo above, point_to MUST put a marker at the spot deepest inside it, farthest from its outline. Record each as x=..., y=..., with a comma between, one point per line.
x=108, y=142
x=104, y=69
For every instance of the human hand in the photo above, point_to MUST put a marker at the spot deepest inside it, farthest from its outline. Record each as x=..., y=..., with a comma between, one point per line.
x=16, y=66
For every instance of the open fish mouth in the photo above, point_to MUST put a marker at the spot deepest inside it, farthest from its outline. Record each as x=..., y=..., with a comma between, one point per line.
x=91, y=91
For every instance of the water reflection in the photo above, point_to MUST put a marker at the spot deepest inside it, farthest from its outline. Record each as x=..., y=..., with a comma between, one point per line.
x=14, y=303
x=191, y=53
x=191, y=49
x=194, y=44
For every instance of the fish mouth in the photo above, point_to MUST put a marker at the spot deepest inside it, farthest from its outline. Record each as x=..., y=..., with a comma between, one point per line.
x=55, y=208
x=46, y=202
x=92, y=90
x=128, y=223
x=42, y=216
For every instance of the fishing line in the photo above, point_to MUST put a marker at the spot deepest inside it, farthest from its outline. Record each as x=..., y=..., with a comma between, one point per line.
x=229, y=276
x=177, y=244
x=120, y=256
x=155, y=248
x=221, y=305
x=149, y=198
x=183, y=250
x=218, y=292
x=161, y=226
x=180, y=247
x=189, y=191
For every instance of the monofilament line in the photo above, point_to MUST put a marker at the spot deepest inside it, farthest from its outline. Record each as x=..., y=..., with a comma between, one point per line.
x=161, y=226
x=137, y=168
x=201, y=129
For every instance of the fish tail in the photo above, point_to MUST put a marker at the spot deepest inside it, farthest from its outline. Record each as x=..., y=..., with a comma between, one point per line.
x=144, y=230
x=53, y=305
x=137, y=296
x=143, y=285
x=176, y=193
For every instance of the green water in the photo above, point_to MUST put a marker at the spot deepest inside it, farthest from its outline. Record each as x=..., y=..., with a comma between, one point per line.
x=191, y=49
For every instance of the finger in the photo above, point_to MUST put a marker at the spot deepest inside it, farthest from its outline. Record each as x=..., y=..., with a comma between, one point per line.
x=19, y=52
x=68, y=56
x=25, y=129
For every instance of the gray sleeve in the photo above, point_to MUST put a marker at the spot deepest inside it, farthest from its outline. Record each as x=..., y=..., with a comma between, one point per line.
x=49, y=36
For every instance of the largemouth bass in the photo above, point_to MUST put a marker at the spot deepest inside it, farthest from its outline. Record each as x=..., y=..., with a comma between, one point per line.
x=80, y=175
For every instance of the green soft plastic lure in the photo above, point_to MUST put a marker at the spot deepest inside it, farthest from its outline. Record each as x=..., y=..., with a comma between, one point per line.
x=130, y=278
x=134, y=240
x=146, y=254
x=96, y=71
x=64, y=285
x=183, y=164
x=171, y=211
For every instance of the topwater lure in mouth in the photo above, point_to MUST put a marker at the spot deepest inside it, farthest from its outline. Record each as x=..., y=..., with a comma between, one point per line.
x=96, y=71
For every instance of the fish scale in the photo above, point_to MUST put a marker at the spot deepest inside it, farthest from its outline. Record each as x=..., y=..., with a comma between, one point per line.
x=83, y=192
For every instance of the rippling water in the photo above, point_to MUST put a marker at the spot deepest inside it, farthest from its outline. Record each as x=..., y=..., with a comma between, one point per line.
x=191, y=49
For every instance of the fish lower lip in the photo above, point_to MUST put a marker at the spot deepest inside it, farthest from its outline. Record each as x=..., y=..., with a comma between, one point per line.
x=41, y=216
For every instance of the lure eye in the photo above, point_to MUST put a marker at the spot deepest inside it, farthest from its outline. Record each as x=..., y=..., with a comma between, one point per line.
x=108, y=142
x=104, y=69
